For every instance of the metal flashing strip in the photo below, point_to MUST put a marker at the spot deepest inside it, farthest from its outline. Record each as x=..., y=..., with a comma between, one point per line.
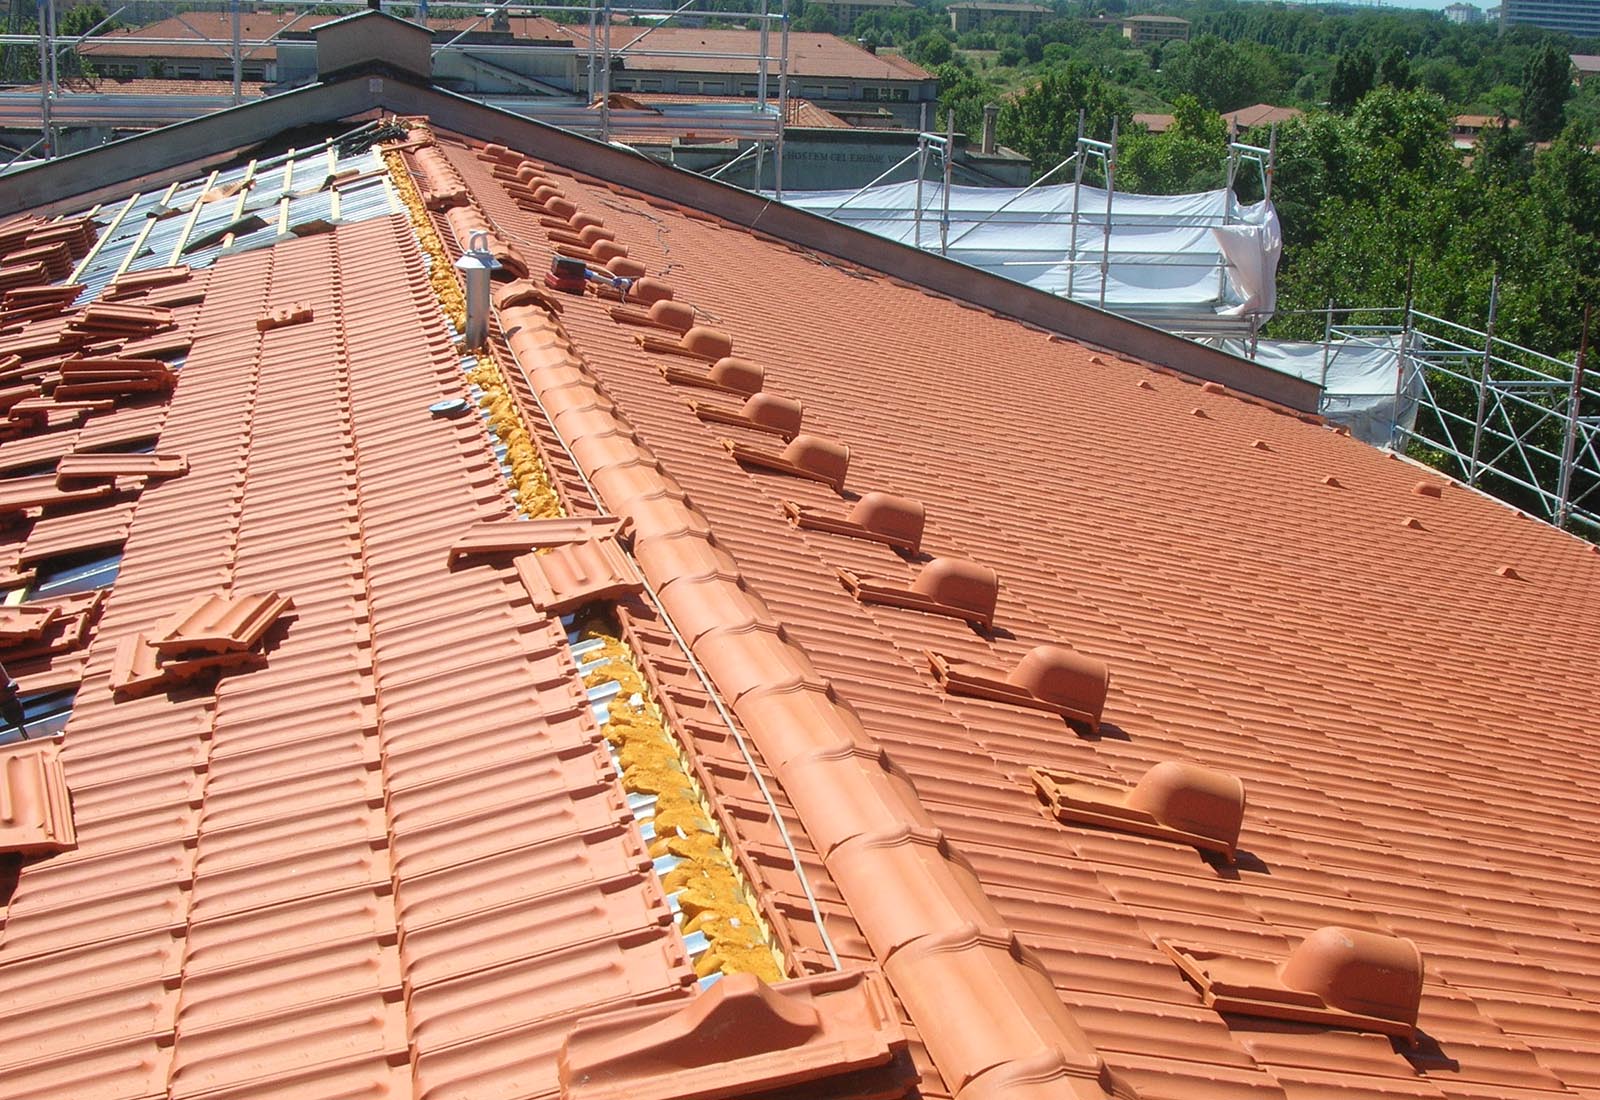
x=194, y=222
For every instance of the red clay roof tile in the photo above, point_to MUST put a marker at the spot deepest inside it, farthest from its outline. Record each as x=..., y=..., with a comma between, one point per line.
x=408, y=792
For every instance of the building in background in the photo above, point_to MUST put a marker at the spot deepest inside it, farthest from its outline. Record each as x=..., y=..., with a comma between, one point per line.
x=193, y=46
x=1578, y=17
x=1146, y=30
x=1584, y=66
x=1463, y=13
x=974, y=15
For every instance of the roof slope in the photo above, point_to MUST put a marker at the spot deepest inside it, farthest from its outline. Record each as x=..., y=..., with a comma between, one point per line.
x=1274, y=598
x=388, y=855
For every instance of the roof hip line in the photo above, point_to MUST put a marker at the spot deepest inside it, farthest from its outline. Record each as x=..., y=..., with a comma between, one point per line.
x=990, y=1019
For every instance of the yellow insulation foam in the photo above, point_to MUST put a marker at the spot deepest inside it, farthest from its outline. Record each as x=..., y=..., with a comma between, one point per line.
x=713, y=897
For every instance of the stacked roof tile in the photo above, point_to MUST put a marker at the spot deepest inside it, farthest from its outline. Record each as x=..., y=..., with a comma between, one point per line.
x=382, y=847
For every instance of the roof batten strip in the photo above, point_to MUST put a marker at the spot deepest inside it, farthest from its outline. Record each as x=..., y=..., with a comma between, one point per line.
x=105, y=236
x=190, y=221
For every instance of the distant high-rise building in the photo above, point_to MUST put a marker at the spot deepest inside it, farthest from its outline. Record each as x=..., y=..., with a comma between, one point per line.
x=1463, y=13
x=1579, y=17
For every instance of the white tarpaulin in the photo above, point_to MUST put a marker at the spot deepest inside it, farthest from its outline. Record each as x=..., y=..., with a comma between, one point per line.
x=1359, y=379
x=1173, y=260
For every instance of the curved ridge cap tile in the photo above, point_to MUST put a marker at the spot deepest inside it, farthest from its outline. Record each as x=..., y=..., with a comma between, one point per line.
x=977, y=1002
x=1016, y=1015
x=1044, y=1077
x=678, y=559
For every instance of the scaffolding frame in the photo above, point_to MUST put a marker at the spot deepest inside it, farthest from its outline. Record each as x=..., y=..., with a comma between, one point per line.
x=1516, y=423
x=588, y=111
x=938, y=149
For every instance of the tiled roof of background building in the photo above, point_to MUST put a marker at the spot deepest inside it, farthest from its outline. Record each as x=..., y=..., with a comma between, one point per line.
x=810, y=54
x=384, y=851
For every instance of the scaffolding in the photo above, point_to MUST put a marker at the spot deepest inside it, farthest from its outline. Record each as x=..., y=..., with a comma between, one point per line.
x=588, y=108
x=1516, y=423
x=1176, y=262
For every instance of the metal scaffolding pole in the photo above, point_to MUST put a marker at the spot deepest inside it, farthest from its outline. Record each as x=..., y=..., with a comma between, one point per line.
x=45, y=52
x=783, y=98
x=1111, y=190
x=1484, y=382
x=1574, y=413
x=55, y=73
x=605, y=75
x=1077, y=189
x=949, y=158
x=1405, y=347
x=1327, y=345
x=237, y=53
x=922, y=170
x=761, y=65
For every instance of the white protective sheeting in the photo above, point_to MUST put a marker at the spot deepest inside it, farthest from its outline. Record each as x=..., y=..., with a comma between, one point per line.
x=1172, y=259
x=1359, y=380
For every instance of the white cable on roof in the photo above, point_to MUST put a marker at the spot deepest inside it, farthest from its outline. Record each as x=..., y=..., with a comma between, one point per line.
x=705, y=680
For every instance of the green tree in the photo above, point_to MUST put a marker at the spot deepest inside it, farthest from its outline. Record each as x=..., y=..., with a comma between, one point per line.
x=1225, y=76
x=1353, y=77
x=1187, y=157
x=1546, y=85
x=1042, y=122
x=815, y=18
x=1395, y=70
x=932, y=49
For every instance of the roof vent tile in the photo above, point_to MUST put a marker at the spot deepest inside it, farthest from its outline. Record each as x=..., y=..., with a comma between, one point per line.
x=35, y=806
x=1174, y=800
x=673, y=316
x=624, y=267
x=946, y=586
x=1055, y=678
x=895, y=521
x=761, y=412
x=836, y=1033
x=648, y=291
x=1344, y=977
x=1428, y=489
x=1213, y=387
x=807, y=456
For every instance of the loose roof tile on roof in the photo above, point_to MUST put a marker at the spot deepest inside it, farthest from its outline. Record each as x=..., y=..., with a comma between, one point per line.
x=391, y=856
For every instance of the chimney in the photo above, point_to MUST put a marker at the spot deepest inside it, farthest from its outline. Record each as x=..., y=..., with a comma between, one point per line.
x=500, y=20
x=991, y=111
x=374, y=5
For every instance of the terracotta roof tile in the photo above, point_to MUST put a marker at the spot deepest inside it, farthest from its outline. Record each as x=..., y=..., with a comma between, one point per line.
x=1234, y=702
x=392, y=855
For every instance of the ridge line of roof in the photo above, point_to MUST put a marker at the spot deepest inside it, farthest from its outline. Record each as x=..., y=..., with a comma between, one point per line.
x=989, y=1020
x=795, y=720
x=379, y=88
